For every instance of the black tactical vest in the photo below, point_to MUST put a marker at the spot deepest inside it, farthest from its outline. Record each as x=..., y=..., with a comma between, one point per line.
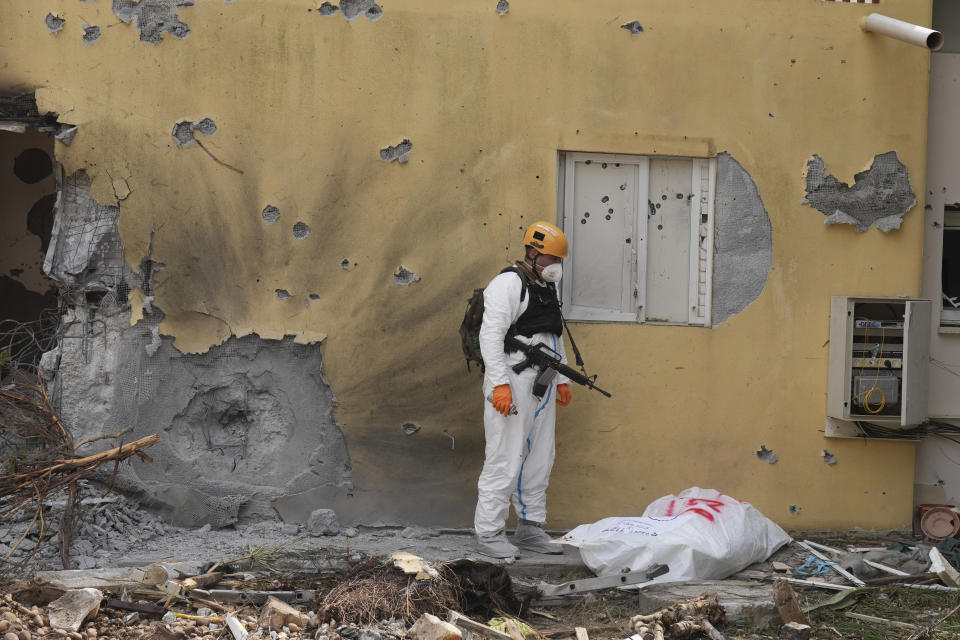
x=543, y=311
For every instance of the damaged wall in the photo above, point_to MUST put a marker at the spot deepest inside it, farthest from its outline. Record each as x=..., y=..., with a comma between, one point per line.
x=26, y=218
x=304, y=101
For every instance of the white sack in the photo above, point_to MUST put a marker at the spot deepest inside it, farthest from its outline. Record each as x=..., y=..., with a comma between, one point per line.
x=700, y=534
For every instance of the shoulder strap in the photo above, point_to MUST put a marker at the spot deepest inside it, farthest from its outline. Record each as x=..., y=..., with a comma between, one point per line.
x=524, y=276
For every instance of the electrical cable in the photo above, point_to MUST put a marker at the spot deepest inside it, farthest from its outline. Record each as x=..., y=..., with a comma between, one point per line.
x=877, y=357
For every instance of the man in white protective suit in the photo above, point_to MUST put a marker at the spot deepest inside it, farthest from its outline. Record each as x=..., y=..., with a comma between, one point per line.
x=519, y=426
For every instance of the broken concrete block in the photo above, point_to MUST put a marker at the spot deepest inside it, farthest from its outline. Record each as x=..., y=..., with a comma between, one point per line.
x=430, y=627
x=323, y=522
x=73, y=607
x=277, y=614
x=795, y=631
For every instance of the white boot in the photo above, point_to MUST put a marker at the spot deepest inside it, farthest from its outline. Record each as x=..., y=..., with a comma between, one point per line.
x=530, y=537
x=497, y=546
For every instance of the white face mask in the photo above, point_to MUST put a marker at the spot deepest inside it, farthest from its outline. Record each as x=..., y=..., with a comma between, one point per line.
x=552, y=272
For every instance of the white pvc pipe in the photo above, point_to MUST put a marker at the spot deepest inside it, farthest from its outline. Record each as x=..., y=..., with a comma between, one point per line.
x=912, y=33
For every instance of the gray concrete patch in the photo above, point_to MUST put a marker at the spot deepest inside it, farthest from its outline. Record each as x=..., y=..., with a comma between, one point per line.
x=270, y=213
x=353, y=9
x=743, y=241
x=84, y=238
x=54, y=23
x=880, y=196
x=91, y=33
x=398, y=152
x=154, y=17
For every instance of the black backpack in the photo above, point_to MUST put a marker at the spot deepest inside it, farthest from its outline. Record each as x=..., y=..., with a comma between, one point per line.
x=473, y=319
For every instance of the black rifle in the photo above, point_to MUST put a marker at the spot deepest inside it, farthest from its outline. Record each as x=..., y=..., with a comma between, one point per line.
x=543, y=357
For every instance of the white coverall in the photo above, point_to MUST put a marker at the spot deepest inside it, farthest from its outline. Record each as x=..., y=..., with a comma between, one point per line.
x=519, y=448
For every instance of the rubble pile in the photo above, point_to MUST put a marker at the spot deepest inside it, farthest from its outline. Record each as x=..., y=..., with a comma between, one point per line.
x=103, y=527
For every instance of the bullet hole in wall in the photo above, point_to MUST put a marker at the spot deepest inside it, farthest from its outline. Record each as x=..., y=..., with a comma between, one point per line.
x=91, y=33
x=283, y=294
x=794, y=509
x=398, y=152
x=33, y=165
x=314, y=297
x=766, y=455
x=301, y=230
x=635, y=28
x=410, y=428
x=502, y=7
x=206, y=126
x=405, y=277
x=829, y=458
x=270, y=213
x=327, y=9
x=183, y=132
x=54, y=23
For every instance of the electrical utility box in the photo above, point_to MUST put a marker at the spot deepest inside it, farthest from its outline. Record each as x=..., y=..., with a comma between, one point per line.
x=879, y=360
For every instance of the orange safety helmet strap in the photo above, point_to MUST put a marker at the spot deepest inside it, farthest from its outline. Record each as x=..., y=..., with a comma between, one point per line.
x=546, y=238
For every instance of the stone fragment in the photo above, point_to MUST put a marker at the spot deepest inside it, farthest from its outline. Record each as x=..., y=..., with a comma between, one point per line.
x=370, y=634
x=323, y=522
x=795, y=631
x=4, y=626
x=276, y=614
x=290, y=529
x=430, y=627
x=351, y=532
x=10, y=635
x=73, y=607
x=160, y=631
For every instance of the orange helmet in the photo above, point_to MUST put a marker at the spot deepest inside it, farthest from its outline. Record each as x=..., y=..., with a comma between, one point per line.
x=546, y=238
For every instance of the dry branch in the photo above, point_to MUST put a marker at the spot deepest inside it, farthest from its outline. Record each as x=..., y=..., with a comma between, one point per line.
x=46, y=461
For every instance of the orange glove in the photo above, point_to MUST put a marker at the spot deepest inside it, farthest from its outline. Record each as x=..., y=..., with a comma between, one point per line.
x=563, y=394
x=502, y=398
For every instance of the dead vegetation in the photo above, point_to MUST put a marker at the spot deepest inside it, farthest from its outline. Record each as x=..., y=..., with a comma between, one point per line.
x=42, y=459
x=374, y=590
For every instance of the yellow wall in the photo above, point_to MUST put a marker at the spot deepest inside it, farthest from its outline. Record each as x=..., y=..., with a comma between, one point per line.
x=304, y=103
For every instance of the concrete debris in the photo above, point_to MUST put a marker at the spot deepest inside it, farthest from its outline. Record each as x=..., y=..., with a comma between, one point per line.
x=65, y=133
x=70, y=610
x=398, y=152
x=743, y=241
x=635, y=28
x=403, y=277
x=766, y=455
x=277, y=614
x=54, y=23
x=795, y=631
x=154, y=17
x=270, y=213
x=323, y=522
x=91, y=33
x=430, y=627
x=880, y=196
x=502, y=7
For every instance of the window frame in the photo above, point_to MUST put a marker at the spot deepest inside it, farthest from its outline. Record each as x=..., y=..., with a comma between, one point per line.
x=703, y=177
